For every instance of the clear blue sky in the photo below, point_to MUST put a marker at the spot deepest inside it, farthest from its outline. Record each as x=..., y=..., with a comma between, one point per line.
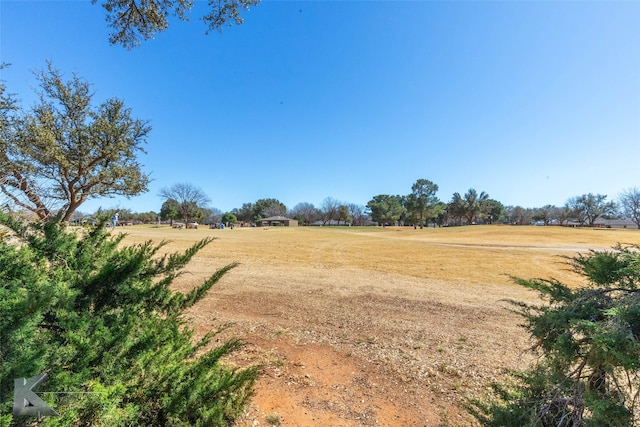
x=532, y=102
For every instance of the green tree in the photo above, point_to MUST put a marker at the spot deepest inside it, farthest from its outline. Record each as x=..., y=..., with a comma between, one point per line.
x=265, y=208
x=474, y=205
x=8, y=108
x=101, y=317
x=244, y=213
x=546, y=214
x=170, y=210
x=440, y=214
x=134, y=21
x=471, y=206
x=65, y=151
x=229, y=218
x=422, y=200
x=385, y=209
x=146, y=217
x=494, y=211
x=343, y=214
x=456, y=207
x=588, y=343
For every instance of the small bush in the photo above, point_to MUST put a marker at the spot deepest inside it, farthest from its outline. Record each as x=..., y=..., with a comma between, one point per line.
x=100, y=317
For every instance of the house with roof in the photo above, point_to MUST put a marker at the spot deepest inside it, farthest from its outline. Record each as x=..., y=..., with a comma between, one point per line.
x=615, y=223
x=274, y=221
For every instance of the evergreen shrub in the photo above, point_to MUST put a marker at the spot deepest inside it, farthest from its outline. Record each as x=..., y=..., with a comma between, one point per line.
x=100, y=318
x=588, y=342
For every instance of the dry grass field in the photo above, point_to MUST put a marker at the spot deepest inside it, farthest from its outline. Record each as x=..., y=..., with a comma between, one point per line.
x=374, y=326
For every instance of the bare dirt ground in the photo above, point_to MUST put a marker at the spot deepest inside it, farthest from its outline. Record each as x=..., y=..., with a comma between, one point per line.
x=373, y=326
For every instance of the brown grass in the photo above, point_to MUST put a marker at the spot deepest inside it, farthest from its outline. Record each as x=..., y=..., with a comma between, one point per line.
x=373, y=326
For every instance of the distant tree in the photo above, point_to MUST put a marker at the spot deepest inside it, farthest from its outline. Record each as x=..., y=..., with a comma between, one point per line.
x=587, y=339
x=385, y=209
x=357, y=214
x=229, y=218
x=306, y=212
x=572, y=210
x=244, y=213
x=265, y=208
x=125, y=215
x=630, y=204
x=406, y=217
x=190, y=200
x=66, y=151
x=520, y=216
x=554, y=214
x=494, y=211
x=565, y=214
x=134, y=21
x=146, y=217
x=422, y=200
x=211, y=215
x=546, y=214
x=456, y=208
x=274, y=209
x=343, y=214
x=475, y=204
x=589, y=207
x=170, y=210
x=197, y=213
x=440, y=214
x=329, y=210
x=470, y=206
x=540, y=215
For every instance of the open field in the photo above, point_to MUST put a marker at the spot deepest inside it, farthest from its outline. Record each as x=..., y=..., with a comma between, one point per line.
x=373, y=326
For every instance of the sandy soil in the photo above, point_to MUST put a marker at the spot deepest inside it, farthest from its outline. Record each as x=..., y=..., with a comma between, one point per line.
x=364, y=327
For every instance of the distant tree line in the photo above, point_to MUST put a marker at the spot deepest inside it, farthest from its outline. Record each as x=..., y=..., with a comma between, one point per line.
x=64, y=151
x=420, y=208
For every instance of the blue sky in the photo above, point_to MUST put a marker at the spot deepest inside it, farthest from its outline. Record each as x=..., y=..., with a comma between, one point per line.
x=531, y=102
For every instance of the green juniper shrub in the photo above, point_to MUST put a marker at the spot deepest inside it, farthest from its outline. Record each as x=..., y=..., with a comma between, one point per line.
x=588, y=340
x=101, y=320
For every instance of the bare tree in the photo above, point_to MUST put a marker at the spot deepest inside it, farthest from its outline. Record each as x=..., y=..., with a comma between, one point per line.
x=630, y=204
x=307, y=212
x=588, y=207
x=357, y=213
x=329, y=210
x=191, y=200
x=521, y=216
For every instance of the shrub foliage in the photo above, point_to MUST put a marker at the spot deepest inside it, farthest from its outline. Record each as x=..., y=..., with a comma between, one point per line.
x=101, y=320
x=588, y=340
